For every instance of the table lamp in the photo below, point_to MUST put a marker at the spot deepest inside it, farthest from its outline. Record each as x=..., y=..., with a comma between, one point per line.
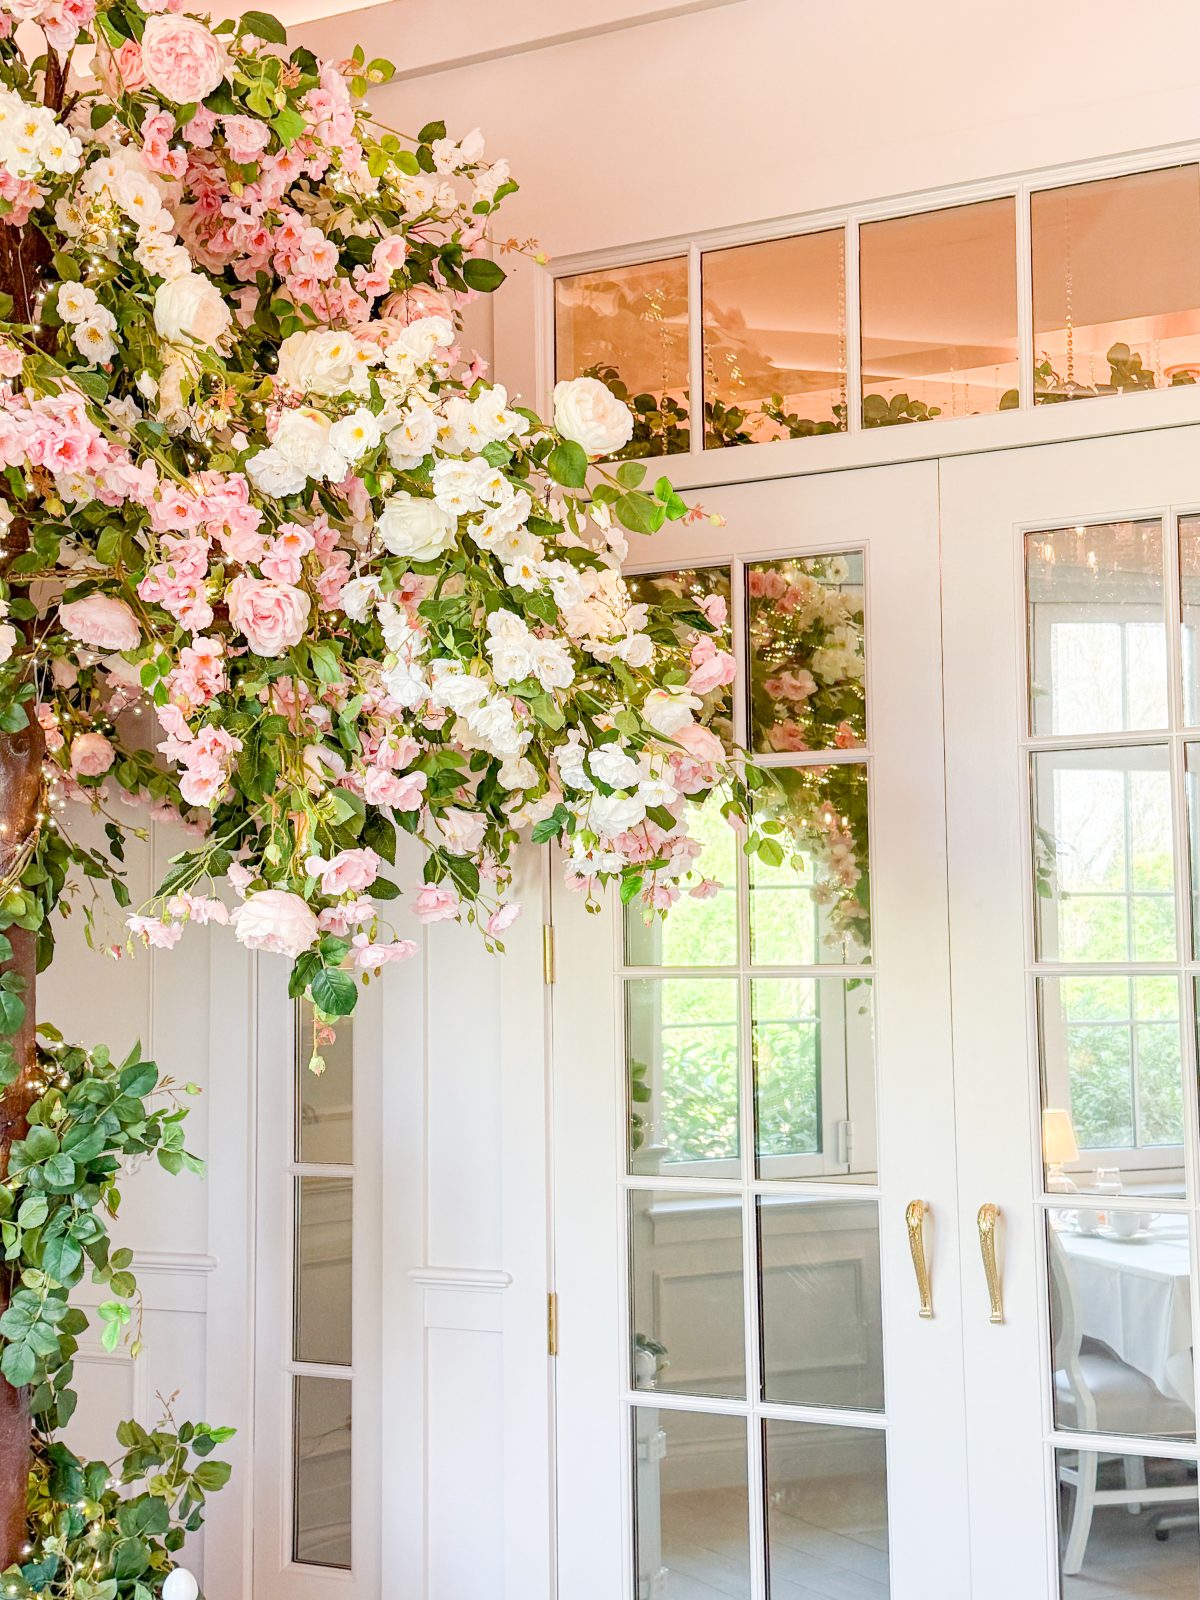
x=1058, y=1147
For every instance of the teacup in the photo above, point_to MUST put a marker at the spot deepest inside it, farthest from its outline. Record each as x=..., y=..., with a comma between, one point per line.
x=1087, y=1221
x=1125, y=1223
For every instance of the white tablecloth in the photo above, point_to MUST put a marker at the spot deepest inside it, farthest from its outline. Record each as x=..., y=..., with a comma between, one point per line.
x=1134, y=1297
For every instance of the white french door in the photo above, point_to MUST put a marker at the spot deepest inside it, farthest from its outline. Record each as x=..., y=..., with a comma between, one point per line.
x=748, y=1102
x=1070, y=578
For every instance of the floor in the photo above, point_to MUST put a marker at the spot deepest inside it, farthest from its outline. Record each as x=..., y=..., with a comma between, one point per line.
x=829, y=1544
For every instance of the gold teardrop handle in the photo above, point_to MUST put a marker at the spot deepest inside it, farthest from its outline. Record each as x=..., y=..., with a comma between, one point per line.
x=914, y=1216
x=988, y=1216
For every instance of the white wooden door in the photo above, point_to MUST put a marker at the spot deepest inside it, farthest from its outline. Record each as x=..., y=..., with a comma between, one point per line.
x=747, y=1394
x=317, y=1443
x=1070, y=579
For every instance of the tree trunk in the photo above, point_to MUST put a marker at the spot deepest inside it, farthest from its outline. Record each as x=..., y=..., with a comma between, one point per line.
x=20, y=802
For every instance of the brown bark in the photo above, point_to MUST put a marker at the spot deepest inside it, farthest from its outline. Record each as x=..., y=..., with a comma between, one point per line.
x=20, y=801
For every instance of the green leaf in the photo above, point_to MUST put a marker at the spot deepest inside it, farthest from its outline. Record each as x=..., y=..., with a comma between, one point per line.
x=431, y=131
x=567, y=464
x=18, y=1364
x=289, y=125
x=334, y=992
x=482, y=274
x=264, y=26
x=639, y=513
x=61, y=1258
x=631, y=473
x=630, y=888
x=60, y=1172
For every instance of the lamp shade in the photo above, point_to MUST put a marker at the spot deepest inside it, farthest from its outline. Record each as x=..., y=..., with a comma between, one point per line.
x=1058, y=1138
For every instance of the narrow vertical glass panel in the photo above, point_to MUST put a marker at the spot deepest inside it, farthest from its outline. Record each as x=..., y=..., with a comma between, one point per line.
x=807, y=653
x=821, y=1318
x=324, y=1270
x=775, y=339
x=1189, y=586
x=1121, y=1322
x=321, y=1471
x=684, y=591
x=939, y=313
x=814, y=909
x=1127, y=1547
x=691, y=1506
x=697, y=932
x=681, y=1050
x=814, y=1078
x=1097, y=631
x=1104, y=869
x=1116, y=285
x=826, y=1500
x=1112, y=1084
x=628, y=326
x=685, y=1270
x=325, y=1099
x=1191, y=783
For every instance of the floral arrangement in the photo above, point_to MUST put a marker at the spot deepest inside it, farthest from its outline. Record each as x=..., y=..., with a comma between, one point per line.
x=278, y=561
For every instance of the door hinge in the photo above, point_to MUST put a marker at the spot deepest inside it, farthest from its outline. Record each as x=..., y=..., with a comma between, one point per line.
x=845, y=1143
x=548, y=973
x=552, y=1323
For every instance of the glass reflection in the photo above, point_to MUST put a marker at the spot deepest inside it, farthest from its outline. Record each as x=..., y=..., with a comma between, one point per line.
x=1103, y=857
x=684, y=592
x=814, y=909
x=685, y=1268
x=1189, y=585
x=1112, y=1083
x=807, y=653
x=822, y=1336
x=939, y=314
x=324, y=1100
x=628, y=326
x=321, y=1484
x=775, y=339
x=1121, y=1321
x=1116, y=285
x=826, y=1500
x=681, y=1041
x=1127, y=1547
x=813, y=1077
x=324, y=1270
x=691, y=1506
x=699, y=931
x=1097, y=631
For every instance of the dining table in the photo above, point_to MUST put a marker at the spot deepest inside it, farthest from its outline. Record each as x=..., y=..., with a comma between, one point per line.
x=1133, y=1295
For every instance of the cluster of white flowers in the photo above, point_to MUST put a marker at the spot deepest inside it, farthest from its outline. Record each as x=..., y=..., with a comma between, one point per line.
x=92, y=325
x=33, y=141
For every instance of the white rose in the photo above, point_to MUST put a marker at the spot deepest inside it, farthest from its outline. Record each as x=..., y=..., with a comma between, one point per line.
x=356, y=434
x=191, y=307
x=552, y=664
x=667, y=713
x=590, y=414
x=613, y=814
x=613, y=767
x=325, y=363
x=273, y=474
x=275, y=920
x=415, y=528
x=510, y=645
x=303, y=438
x=357, y=596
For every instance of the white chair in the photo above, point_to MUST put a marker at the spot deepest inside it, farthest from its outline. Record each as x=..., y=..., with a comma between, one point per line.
x=1096, y=1392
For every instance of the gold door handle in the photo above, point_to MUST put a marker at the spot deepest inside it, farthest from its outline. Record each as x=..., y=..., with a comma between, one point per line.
x=988, y=1216
x=914, y=1216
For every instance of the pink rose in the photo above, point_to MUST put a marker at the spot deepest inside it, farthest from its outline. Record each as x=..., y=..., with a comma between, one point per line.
x=275, y=920
x=273, y=616
x=373, y=956
x=91, y=755
x=102, y=621
x=435, y=904
x=154, y=931
x=246, y=137
x=710, y=668
x=349, y=872
x=182, y=59
x=700, y=743
x=128, y=62
x=462, y=831
x=502, y=918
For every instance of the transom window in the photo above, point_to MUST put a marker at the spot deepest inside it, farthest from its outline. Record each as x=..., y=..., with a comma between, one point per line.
x=869, y=321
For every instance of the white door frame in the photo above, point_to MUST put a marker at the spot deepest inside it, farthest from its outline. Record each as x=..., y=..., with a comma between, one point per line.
x=892, y=516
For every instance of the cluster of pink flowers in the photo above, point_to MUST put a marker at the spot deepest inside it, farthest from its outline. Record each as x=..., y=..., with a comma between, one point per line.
x=205, y=757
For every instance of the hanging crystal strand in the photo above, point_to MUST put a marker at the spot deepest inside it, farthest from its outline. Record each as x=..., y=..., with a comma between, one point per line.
x=843, y=381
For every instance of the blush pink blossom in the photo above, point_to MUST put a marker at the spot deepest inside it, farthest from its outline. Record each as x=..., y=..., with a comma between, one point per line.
x=341, y=919
x=367, y=956
x=273, y=616
x=711, y=668
x=153, y=931
x=246, y=138
x=435, y=904
x=502, y=918
x=200, y=908
x=91, y=755
x=349, y=872
x=102, y=621
x=277, y=921
x=705, y=889
x=182, y=59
